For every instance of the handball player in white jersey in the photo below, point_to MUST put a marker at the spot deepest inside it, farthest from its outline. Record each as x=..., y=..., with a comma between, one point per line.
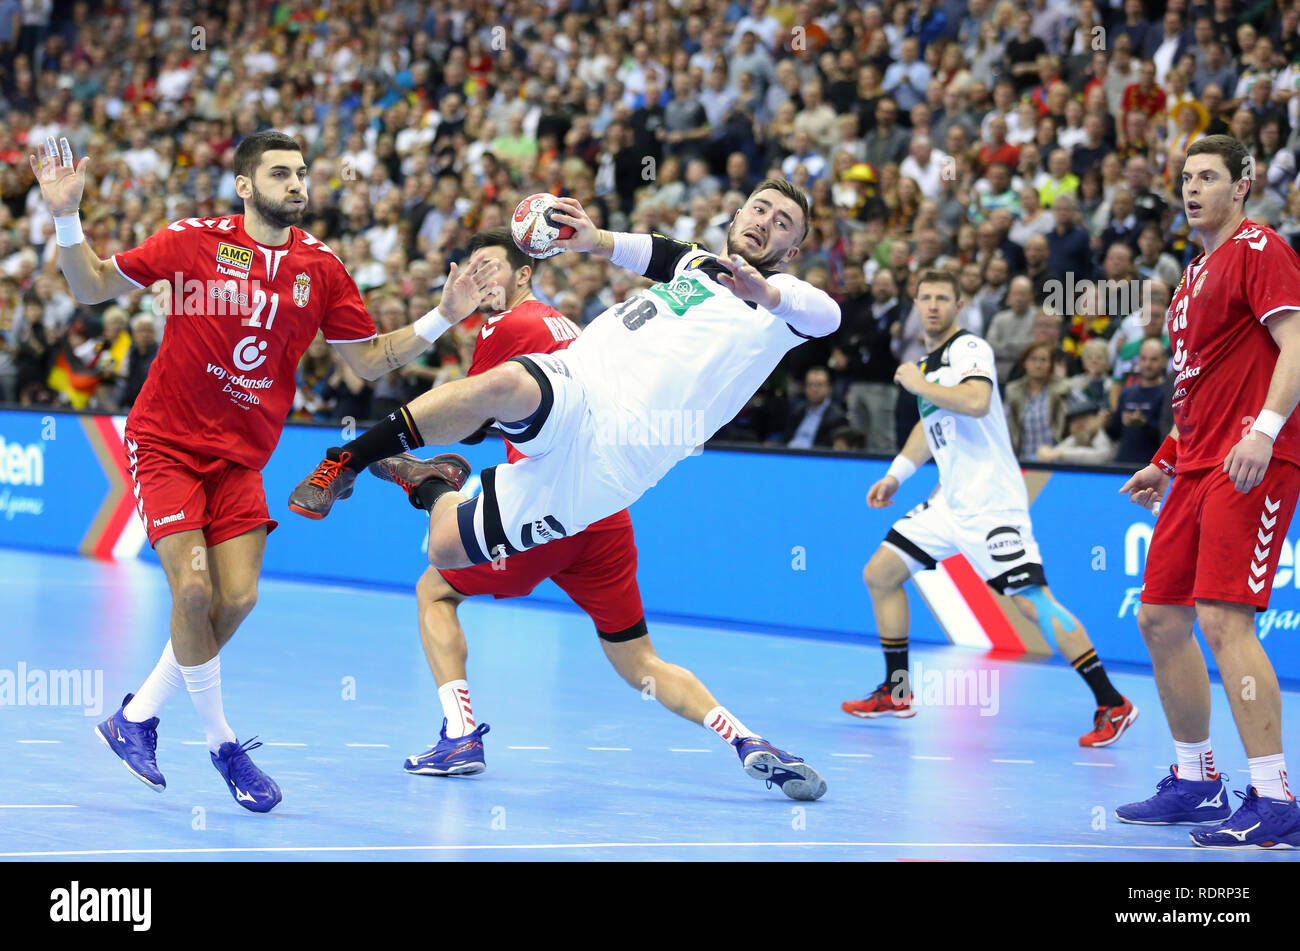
x=605, y=419
x=980, y=509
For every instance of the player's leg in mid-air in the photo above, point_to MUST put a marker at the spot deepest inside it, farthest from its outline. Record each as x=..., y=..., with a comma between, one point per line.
x=213, y=590
x=512, y=393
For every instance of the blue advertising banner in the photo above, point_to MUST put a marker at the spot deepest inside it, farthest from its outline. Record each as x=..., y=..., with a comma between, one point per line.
x=770, y=540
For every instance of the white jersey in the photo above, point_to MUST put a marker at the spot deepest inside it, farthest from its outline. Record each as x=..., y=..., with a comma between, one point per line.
x=977, y=469
x=675, y=363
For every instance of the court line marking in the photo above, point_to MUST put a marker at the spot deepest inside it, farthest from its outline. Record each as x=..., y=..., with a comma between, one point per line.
x=1099, y=765
x=611, y=749
x=40, y=741
x=1027, y=762
x=677, y=750
x=194, y=742
x=528, y=747
x=853, y=755
x=368, y=746
x=555, y=846
x=24, y=806
x=938, y=758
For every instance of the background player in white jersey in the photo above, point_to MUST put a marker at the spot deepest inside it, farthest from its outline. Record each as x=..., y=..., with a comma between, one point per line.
x=979, y=509
x=602, y=421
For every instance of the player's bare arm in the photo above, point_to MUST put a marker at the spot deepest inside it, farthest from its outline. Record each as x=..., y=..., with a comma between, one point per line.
x=969, y=398
x=916, y=451
x=463, y=293
x=63, y=182
x=1247, y=461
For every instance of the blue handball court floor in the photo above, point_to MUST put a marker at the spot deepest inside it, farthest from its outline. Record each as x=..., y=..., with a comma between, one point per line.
x=580, y=766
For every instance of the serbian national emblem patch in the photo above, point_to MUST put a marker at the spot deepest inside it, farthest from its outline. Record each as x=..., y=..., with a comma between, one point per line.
x=301, y=289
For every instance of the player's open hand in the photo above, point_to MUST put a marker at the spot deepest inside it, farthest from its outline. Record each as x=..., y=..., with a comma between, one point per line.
x=1146, y=487
x=467, y=290
x=62, y=183
x=586, y=236
x=881, y=494
x=746, y=283
x=1247, y=461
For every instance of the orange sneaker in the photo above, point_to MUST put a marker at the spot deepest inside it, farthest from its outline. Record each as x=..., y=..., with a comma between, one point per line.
x=1109, y=724
x=881, y=703
x=330, y=480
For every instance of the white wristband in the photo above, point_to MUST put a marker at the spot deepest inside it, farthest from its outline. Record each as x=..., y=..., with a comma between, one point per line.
x=67, y=231
x=901, y=469
x=1269, y=423
x=431, y=326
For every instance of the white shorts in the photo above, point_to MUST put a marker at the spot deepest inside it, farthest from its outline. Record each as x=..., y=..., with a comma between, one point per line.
x=999, y=545
x=565, y=484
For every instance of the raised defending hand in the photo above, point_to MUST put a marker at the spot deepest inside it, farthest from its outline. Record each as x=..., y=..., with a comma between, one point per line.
x=586, y=236
x=1146, y=487
x=466, y=290
x=746, y=283
x=61, y=182
x=881, y=495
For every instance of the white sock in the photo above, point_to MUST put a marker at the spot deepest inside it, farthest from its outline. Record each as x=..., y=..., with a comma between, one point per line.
x=204, y=683
x=721, y=722
x=1268, y=776
x=159, y=687
x=1195, y=761
x=454, y=695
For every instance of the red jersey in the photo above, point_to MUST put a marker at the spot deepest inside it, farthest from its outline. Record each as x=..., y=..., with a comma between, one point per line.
x=1224, y=354
x=241, y=316
x=532, y=327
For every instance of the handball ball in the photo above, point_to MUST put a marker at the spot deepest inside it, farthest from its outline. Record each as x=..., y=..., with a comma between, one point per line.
x=533, y=229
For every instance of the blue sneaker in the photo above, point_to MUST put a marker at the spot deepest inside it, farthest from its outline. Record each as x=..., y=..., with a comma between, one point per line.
x=764, y=761
x=252, y=788
x=1179, y=801
x=1258, y=823
x=135, y=743
x=454, y=756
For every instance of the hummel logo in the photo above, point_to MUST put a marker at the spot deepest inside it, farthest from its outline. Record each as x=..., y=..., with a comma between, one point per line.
x=1240, y=836
x=1263, y=539
x=1268, y=522
x=241, y=796
x=1216, y=802
x=1256, y=586
x=1012, y=579
x=1271, y=505
x=1261, y=555
x=1256, y=570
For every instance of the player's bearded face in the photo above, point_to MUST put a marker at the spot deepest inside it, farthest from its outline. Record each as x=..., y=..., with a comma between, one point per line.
x=280, y=213
x=762, y=255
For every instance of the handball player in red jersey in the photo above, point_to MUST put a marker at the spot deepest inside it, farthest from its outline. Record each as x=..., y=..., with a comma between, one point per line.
x=596, y=567
x=248, y=294
x=1234, y=459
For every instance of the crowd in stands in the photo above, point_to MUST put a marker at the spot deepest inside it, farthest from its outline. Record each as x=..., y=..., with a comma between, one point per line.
x=1030, y=147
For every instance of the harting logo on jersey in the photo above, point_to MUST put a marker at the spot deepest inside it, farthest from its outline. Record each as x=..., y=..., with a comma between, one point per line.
x=234, y=260
x=1005, y=544
x=301, y=289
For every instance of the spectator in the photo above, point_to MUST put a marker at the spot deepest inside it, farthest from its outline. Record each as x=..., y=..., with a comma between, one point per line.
x=139, y=358
x=1094, y=382
x=886, y=142
x=1087, y=444
x=1035, y=403
x=812, y=421
x=862, y=354
x=848, y=439
x=1011, y=330
x=1143, y=413
x=1068, y=243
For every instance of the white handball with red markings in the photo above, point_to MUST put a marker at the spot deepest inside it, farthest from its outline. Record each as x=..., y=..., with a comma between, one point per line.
x=533, y=229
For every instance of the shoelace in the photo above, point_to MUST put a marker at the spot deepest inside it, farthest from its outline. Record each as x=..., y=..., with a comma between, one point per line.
x=328, y=470
x=242, y=768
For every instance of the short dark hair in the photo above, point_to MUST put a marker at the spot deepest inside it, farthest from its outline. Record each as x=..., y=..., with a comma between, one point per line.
x=500, y=237
x=249, y=154
x=1233, y=152
x=855, y=439
x=936, y=276
x=793, y=192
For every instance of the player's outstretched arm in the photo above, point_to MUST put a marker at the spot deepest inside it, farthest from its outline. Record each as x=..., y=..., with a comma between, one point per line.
x=650, y=255
x=463, y=293
x=915, y=453
x=62, y=184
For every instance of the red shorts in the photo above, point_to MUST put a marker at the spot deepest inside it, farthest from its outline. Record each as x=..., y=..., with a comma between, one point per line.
x=596, y=568
x=177, y=491
x=1212, y=542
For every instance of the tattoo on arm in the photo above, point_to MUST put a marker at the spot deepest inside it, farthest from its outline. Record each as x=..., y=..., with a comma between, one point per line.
x=390, y=358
